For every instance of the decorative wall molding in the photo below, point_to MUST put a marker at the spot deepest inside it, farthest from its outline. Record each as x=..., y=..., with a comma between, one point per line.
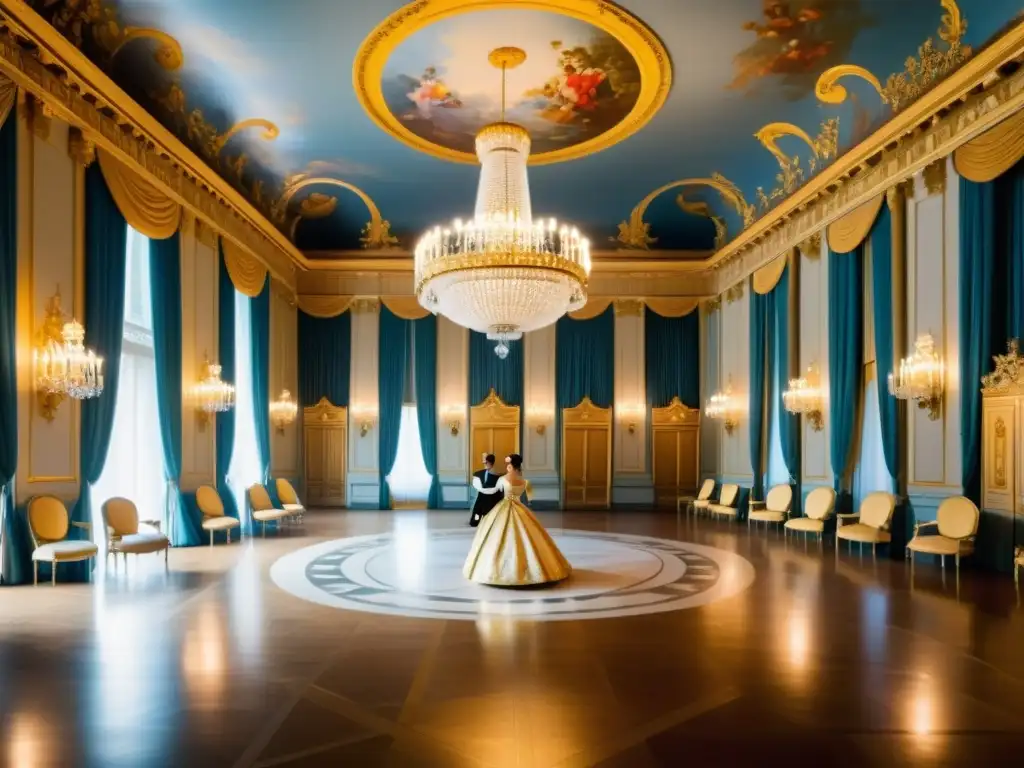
x=66, y=85
x=629, y=307
x=934, y=177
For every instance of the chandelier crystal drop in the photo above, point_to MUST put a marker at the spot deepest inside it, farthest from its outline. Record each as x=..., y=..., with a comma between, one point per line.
x=211, y=394
x=69, y=368
x=503, y=273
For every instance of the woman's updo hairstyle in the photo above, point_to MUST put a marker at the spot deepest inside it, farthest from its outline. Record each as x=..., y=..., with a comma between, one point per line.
x=516, y=461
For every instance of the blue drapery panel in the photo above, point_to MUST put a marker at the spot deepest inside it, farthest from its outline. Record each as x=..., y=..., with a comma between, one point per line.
x=425, y=354
x=226, y=354
x=165, y=294
x=15, y=549
x=789, y=423
x=672, y=347
x=259, y=340
x=584, y=365
x=487, y=370
x=845, y=355
x=881, y=285
x=1009, y=212
x=325, y=358
x=762, y=349
x=106, y=237
x=393, y=355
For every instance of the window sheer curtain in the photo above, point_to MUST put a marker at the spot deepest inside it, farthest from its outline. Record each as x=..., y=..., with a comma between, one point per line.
x=134, y=465
x=409, y=479
x=778, y=473
x=245, y=458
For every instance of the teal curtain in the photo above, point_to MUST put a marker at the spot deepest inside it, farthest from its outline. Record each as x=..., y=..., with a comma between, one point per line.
x=487, y=370
x=225, y=422
x=672, y=346
x=393, y=356
x=15, y=554
x=845, y=358
x=425, y=357
x=1009, y=211
x=325, y=355
x=789, y=423
x=762, y=312
x=259, y=343
x=106, y=236
x=584, y=365
x=881, y=285
x=978, y=341
x=165, y=294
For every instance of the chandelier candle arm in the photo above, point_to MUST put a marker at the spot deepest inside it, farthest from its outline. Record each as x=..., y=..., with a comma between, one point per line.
x=920, y=377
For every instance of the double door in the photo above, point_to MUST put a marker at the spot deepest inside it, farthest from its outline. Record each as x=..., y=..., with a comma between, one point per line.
x=587, y=457
x=325, y=437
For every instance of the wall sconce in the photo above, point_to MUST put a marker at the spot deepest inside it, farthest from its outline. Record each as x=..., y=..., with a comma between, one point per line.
x=366, y=418
x=722, y=407
x=631, y=416
x=283, y=411
x=538, y=421
x=63, y=366
x=920, y=377
x=452, y=416
x=804, y=398
x=211, y=394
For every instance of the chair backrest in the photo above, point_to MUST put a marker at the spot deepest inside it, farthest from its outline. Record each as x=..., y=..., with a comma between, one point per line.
x=706, y=490
x=820, y=503
x=958, y=518
x=286, y=493
x=876, y=509
x=121, y=516
x=208, y=501
x=779, y=498
x=47, y=519
x=259, y=499
x=729, y=495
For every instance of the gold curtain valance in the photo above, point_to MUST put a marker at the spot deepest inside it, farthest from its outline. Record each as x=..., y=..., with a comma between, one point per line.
x=672, y=307
x=846, y=233
x=248, y=274
x=767, y=277
x=8, y=96
x=405, y=307
x=591, y=309
x=993, y=153
x=324, y=306
x=146, y=209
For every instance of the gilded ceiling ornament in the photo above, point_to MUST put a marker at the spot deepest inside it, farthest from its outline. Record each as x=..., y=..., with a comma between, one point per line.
x=270, y=131
x=791, y=175
x=828, y=89
x=318, y=206
x=378, y=237
x=701, y=208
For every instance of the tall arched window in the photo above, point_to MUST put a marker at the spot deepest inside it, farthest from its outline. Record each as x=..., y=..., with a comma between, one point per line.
x=870, y=473
x=135, y=462
x=409, y=480
x=245, y=458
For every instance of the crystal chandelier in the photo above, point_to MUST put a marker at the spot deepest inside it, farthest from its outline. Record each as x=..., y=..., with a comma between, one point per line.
x=68, y=368
x=283, y=410
x=502, y=272
x=920, y=377
x=804, y=398
x=721, y=406
x=211, y=394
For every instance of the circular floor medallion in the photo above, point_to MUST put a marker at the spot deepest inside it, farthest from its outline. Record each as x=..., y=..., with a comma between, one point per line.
x=419, y=574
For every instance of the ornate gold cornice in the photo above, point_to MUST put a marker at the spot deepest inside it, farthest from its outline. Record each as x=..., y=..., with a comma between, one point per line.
x=811, y=247
x=365, y=304
x=976, y=98
x=934, y=177
x=80, y=148
x=70, y=87
x=629, y=307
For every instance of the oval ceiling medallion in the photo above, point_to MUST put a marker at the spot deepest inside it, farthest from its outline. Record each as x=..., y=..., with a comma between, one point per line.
x=593, y=75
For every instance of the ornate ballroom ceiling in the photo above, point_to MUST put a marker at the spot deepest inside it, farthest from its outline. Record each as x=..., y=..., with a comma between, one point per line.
x=329, y=114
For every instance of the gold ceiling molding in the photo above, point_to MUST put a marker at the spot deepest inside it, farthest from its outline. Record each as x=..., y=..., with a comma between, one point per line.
x=647, y=50
x=146, y=209
x=628, y=307
x=405, y=307
x=635, y=233
x=247, y=274
x=791, y=175
x=934, y=177
x=42, y=63
x=767, y=277
x=972, y=99
x=846, y=233
x=993, y=153
x=324, y=306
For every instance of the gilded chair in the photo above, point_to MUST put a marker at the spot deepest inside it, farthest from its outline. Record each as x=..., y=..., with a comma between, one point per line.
x=48, y=522
x=702, y=501
x=263, y=510
x=727, y=500
x=777, y=504
x=873, y=521
x=121, y=517
x=818, y=508
x=214, y=519
x=289, y=499
x=957, y=525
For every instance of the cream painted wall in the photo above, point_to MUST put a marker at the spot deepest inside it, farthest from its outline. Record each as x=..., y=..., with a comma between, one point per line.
x=631, y=480
x=817, y=464
x=452, y=397
x=363, y=473
x=735, y=370
x=539, y=459
x=285, y=444
x=711, y=432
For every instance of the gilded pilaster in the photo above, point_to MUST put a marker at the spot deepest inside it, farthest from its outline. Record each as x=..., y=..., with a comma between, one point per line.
x=896, y=199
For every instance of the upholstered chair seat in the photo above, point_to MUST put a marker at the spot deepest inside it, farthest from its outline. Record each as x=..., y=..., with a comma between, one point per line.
x=124, y=535
x=48, y=524
x=955, y=526
x=873, y=521
x=703, y=499
x=214, y=519
x=818, y=508
x=776, y=506
x=727, y=500
x=263, y=509
x=290, y=502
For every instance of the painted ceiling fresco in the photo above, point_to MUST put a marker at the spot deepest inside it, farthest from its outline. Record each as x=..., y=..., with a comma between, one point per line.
x=741, y=100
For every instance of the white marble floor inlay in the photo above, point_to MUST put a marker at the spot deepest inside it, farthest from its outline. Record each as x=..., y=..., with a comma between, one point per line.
x=414, y=571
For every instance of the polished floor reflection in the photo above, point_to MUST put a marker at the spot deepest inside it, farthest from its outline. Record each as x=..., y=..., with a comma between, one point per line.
x=214, y=665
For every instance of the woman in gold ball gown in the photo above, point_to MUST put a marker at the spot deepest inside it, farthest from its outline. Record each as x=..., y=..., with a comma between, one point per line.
x=511, y=547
